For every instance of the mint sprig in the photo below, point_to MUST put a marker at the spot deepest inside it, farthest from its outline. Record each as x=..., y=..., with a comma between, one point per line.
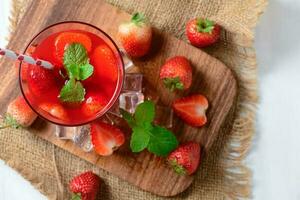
x=77, y=65
x=156, y=139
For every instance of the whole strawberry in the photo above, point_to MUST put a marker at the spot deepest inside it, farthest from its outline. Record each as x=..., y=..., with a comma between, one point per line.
x=185, y=159
x=19, y=114
x=202, y=32
x=135, y=36
x=176, y=73
x=85, y=186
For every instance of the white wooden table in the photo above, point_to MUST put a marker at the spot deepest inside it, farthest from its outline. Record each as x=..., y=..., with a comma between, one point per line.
x=275, y=155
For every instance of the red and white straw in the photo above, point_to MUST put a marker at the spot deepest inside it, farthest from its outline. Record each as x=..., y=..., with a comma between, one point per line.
x=28, y=59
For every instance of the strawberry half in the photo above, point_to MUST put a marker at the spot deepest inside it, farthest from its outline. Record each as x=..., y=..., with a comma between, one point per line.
x=106, y=138
x=66, y=38
x=135, y=36
x=104, y=61
x=93, y=104
x=54, y=109
x=186, y=158
x=85, y=186
x=19, y=114
x=176, y=73
x=202, y=32
x=192, y=109
x=41, y=81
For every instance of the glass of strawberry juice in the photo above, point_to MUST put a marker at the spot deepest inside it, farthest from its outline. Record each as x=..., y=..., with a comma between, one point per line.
x=92, y=94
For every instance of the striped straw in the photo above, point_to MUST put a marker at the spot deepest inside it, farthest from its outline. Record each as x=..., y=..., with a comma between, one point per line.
x=28, y=59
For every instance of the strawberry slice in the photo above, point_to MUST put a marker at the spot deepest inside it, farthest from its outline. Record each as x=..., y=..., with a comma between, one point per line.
x=66, y=38
x=185, y=159
x=54, y=109
x=19, y=113
x=104, y=61
x=192, y=109
x=106, y=138
x=40, y=80
x=93, y=104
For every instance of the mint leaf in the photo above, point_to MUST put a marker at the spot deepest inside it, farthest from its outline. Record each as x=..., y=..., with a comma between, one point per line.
x=73, y=71
x=80, y=72
x=128, y=117
x=85, y=71
x=140, y=138
x=75, y=54
x=144, y=113
x=162, y=141
x=72, y=92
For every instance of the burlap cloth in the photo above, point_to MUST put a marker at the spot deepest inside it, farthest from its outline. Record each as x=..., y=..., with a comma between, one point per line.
x=222, y=175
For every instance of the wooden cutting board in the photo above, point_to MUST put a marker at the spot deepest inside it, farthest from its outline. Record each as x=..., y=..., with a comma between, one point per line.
x=210, y=77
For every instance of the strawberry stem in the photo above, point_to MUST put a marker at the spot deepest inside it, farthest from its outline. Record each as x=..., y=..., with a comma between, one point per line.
x=205, y=25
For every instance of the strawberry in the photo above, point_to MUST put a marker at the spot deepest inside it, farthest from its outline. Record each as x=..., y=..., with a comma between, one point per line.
x=135, y=36
x=202, y=32
x=176, y=73
x=19, y=114
x=105, y=64
x=192, y=109
x=85, y=186
x=54, y=109
x=40, y=80
x=66, y=38
x=185, y=159
x=93, y=104
x=106, y=138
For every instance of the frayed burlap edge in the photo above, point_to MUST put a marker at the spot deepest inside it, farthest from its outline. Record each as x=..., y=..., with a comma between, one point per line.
x=238, y=177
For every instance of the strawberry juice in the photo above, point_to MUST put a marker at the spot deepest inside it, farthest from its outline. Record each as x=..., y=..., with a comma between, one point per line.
x=100, y=82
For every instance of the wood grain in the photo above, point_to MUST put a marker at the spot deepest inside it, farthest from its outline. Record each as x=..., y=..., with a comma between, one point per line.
x=210, y=77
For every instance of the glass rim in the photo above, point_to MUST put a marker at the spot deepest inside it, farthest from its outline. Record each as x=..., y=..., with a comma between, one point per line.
x=119, y=84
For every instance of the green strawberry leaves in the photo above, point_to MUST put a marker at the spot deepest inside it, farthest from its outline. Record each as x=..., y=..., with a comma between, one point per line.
x=9, y=121
x=77, y=65
x=138, y=18
x=205, y=26
x=173, y=83
x=156, y=139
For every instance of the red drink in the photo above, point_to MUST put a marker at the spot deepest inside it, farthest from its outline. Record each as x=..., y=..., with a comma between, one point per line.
x=41, y=87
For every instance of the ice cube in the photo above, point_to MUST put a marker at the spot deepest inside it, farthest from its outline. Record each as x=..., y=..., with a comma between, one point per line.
x=133, y=82
x=82, y=138
x=163, y=116
x=64, y=133
x=129, y=100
